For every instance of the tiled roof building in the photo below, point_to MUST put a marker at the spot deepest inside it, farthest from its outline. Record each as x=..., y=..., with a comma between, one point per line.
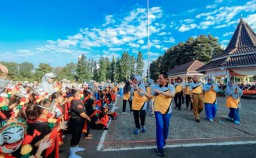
x=187, y=69
x=239, y=54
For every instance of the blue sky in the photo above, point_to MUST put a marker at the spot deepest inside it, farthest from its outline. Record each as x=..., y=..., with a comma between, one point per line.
x=57, y=32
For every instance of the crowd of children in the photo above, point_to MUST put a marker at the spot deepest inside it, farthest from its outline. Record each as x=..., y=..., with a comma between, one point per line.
x=34, y=117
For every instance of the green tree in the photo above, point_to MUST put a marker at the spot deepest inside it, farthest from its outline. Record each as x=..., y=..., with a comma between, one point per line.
x=26, y=71
x=42, y=70
x=202, y=48
x=125, y=64
x=12, y=70
x=95, y=71
x=132, y=63
x=82, y=71
x=119, y=70
x=139, y=64
x=68, y=72
x=103, y=65
x=112, y=70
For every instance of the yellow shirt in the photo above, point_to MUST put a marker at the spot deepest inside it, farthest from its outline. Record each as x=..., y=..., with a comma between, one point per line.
x=198, y=89
x=162, y=103
x=210, y=97
x=138, y=101
x=126, y=96
x=178, y=88
x=231, y=102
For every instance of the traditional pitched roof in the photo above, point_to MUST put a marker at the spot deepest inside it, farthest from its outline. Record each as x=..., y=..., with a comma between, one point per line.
x=189, y=67
x=240, y=49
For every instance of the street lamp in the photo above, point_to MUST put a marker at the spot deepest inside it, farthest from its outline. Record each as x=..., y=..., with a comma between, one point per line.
x=148, y=36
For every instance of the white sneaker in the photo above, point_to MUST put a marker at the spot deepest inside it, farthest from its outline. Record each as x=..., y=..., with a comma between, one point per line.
x=79, y=149
x=123, y=112
x=72, y=153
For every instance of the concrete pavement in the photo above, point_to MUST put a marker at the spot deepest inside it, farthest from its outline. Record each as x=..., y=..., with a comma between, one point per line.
x=187, y=138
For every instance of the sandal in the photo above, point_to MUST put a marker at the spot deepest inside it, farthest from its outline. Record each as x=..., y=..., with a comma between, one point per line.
x=88, y=138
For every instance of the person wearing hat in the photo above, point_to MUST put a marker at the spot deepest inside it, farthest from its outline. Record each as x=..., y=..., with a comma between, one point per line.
x=47, y=82
x=178, y=93
x=210, y=98
x=138, y=105
x=233, y=98
x=186, y=93
x=196, y=96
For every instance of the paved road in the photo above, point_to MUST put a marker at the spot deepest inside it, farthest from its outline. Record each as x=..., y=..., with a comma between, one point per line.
x=184, y=131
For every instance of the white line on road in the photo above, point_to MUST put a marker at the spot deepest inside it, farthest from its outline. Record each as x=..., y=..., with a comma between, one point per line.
x=186, y=145
x=103, y=136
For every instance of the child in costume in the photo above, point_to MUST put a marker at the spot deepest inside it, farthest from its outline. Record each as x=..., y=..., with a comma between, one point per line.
x=210, y=98
x=233, y=95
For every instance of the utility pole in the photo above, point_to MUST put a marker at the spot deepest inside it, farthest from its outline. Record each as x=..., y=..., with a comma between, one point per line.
x=148, y=37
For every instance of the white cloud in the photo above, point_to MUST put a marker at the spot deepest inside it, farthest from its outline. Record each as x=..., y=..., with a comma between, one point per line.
x=157, y=46
x=23, y=51
x=115, y=49
x=184, y=28
x=188, y=20
x=134, y=45
x=251, y=20
x=155, y=41
x=162, y=34
x=223, y=16
x=228, y=33
x=164, y=49
x=113, y=35
x=154, y=54
x=106, y=52
x=172, y=24
x=78, y=36
x=144, y=47
x=211, y=6
x=191, y=10
x=224, y=43
x=141, y=41
x=205, y=24
x=187, y=27
x=109, y=19
x=170, y=40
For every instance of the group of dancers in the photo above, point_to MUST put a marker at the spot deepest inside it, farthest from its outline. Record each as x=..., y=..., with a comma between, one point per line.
x=156, y=99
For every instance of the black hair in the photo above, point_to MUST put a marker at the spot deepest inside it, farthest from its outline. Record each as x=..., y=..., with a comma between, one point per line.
x=33, y=111
x=55, y=95
x=127, y=87
x=164, y=74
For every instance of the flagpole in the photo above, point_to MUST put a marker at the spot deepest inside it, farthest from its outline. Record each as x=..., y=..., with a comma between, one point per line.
x=148, y=37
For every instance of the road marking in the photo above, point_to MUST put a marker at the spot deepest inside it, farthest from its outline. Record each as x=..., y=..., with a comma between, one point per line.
x=103, y=136
x=186, y=145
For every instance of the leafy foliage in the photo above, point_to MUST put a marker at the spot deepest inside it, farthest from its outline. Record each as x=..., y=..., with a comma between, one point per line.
x=202, y=48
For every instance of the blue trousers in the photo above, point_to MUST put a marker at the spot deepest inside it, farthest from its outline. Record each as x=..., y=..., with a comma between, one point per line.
x=234, y=114
x=162, y=128
x=210, y=110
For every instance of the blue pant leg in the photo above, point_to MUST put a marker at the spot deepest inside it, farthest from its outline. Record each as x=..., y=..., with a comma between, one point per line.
x=159, y=130
x=231, y=113
x=208, y=110
x=236, y=115
x=214, y=110
x=167, y=118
